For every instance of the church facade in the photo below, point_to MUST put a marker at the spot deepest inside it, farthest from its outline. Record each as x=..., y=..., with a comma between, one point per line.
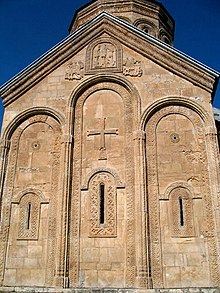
x=110, y=161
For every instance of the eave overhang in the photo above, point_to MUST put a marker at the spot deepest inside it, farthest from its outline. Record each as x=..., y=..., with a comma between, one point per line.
x=148, y=46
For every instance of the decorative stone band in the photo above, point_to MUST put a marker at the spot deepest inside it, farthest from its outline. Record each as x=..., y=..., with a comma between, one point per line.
x=107, y=290
x=119, y=183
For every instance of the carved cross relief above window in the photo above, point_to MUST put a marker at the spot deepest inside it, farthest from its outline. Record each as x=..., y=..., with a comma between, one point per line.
x=102, y=132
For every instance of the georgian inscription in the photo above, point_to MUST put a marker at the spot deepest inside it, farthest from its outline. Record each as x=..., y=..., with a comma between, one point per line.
x=132, y=67
x=191, y=155
x=74, y=70
x=29, y=170
x=102, y=132
x=104, y=55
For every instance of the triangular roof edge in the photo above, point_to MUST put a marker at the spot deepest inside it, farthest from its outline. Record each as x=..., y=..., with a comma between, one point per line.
x=16, y=80
x=170, y=48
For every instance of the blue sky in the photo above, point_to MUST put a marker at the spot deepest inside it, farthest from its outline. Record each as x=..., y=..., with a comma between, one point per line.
x=28, y=28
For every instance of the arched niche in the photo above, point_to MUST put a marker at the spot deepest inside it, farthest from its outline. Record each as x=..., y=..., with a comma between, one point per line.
x=176, y=151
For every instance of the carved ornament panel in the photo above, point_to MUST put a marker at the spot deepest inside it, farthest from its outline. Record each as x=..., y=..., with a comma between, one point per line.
x=132, y=67
x=74, y=70
x=181, y=213
x=29, y=217
x=102, y=191
x=104, y=55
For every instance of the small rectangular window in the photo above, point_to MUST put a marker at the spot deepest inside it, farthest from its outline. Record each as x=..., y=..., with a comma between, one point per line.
x=102, y=203
x=28, y=216
x=181, y=212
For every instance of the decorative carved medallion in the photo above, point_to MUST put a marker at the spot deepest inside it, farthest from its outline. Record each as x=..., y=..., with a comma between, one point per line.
x=174, y=137
x=74, y=71
x=36, y=145
x=132, y=67
x=104, y=55
x=102, y=192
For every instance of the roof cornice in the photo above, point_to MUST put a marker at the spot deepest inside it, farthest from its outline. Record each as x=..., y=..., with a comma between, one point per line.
x=159, y=52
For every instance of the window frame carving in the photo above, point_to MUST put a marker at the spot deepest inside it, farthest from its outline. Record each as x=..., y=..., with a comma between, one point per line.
x=29, y=203
x=181, y=215
x=108, y=227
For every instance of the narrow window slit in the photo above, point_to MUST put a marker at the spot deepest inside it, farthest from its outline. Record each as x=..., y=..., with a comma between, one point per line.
x=28, y=216
x=102, y=203
x=181, y=212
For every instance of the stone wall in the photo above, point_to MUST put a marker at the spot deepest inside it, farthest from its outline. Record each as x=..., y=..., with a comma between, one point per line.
x=121, y=127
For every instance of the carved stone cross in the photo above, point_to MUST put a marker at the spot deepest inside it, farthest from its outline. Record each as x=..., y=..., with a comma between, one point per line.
x=102, y=134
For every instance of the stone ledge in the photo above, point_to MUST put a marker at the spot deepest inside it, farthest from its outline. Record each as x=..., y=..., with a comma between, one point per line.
x=106, y=290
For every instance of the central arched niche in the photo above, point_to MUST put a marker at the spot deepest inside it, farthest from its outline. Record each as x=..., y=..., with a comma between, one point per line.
x=104, y=118
x=102, y=249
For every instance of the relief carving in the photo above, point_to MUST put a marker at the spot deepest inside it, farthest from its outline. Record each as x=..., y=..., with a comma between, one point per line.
x=118, y=182
x=29, y=218
x=132, y=67
x=181, y=213
x=74, y=70
x=38, y=118
x=104, y=54
x=102, y=132
x=102, y=222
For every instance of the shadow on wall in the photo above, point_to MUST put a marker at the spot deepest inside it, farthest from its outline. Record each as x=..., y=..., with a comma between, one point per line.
x=1, y=114
x=217, y=122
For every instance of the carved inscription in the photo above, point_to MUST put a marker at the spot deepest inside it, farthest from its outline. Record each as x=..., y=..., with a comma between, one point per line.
x=191, y=155
x=29, y=170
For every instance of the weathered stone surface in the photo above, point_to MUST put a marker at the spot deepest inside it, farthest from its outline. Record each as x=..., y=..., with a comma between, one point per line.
x=110, y=170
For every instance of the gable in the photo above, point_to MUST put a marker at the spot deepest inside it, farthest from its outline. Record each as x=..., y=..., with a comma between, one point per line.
x=124, y=33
